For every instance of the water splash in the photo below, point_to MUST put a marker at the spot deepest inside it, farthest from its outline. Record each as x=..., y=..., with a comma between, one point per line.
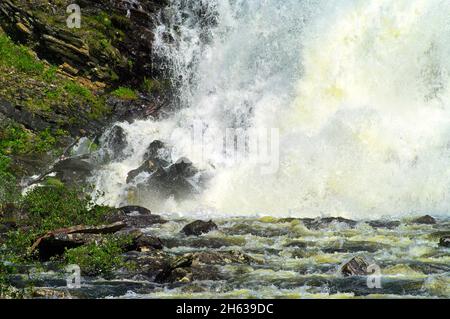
x=358, y=89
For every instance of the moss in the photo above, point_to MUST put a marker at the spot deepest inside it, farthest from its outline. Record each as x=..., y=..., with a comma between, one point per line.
x=125, y=93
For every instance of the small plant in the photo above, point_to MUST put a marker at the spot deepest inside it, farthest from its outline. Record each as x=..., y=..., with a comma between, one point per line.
x=125, y=93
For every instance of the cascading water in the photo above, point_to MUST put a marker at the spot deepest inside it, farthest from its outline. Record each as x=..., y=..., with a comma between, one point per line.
x=359, y=92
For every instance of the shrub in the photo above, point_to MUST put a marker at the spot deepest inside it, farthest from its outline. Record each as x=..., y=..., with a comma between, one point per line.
x=99, y=259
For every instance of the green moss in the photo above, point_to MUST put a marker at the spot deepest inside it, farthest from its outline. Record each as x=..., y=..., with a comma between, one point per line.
x=125, y=93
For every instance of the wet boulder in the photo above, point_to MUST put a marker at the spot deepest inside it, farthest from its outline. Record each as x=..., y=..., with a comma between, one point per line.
x=357, y=266
x=176, y=270
x=115, y=142
x=73, y=170
x=135, y=216
x=140, y=241
x=425, y=220
x=199, y=227
x=159, y=153
x=320, y=223
x=388, y=224
x=445, y=242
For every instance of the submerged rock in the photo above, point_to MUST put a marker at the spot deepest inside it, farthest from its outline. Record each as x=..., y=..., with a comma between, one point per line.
x=175, y=271
x=389, y=224
x=357, y=266
x=198, y=228
x=425, y=220
x=445, y=241
x=319, y=223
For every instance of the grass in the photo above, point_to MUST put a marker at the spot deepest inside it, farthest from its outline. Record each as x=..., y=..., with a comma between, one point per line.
x=125, y=93
x=19, y=57
x=42, y=88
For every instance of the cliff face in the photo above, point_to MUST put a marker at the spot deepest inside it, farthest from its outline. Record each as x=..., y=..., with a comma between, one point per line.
x=66, y=82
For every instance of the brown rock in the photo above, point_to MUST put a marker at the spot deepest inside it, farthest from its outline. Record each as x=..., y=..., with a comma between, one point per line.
x=357, y=266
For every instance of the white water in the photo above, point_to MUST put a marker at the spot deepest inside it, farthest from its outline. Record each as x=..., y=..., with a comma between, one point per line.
x=358, y=89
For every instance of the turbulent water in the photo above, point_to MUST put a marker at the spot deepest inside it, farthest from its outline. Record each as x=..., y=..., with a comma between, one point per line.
x=358, y=91
x=356, y=98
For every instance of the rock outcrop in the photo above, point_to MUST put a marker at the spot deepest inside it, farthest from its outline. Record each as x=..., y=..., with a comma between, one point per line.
x=199, y=227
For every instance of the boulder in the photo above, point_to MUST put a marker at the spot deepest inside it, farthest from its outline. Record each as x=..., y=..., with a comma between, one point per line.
x=357, y=266
x=135, y=216
x=57, y=241
x=445, y=241
x=198, y=228
x=425, y=220
x=115, y=142
x=140, y=241
x=73, y=170
x=389, y=224
x=175, y=270
x=319, y=223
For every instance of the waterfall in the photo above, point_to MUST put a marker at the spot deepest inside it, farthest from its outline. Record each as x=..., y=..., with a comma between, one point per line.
x=359, y=93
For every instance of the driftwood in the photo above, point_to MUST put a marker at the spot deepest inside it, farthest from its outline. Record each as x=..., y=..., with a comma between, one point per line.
x=56, y=241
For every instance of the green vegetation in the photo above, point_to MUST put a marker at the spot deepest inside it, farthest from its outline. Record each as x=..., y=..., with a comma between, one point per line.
x=99, y=259
x=42, y=88
x=19, y=57
x=57, y=206
x=125, y=93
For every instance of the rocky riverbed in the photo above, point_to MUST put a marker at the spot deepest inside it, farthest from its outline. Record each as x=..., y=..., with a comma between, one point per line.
x=270, y=258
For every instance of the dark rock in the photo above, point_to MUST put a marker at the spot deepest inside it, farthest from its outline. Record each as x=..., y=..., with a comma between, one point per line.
x=55, y=242
x=320, y=223
x=357, y=266
x=222, y=258
x=73, y=170
x=425, y=220
x=445, y=241
x=159, y=153
x=148, y=263
x=135, y=210
x=115, y=143
x=354, y=246
x=135, y=216
x=175, y=270
x=296, y=244
x=175, y=180
x=384, y=224
x=199, y=227
x=140, y=241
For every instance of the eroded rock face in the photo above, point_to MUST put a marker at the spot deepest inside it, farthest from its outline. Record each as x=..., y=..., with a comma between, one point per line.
x=199, y=227
x=115, y=144
x=357, y=266
x=129, y=29
x=179, y=179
